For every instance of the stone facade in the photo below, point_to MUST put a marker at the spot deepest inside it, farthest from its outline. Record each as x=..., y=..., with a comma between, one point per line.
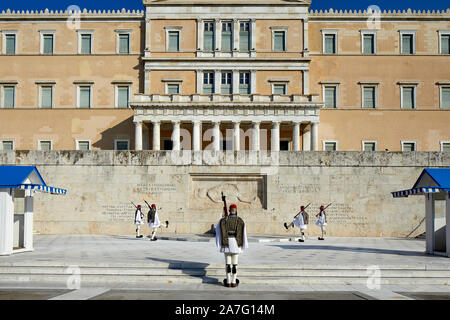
x=267, y=188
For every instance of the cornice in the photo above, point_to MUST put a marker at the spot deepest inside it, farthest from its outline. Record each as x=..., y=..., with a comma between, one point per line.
x=385, y=14
x=66, y=14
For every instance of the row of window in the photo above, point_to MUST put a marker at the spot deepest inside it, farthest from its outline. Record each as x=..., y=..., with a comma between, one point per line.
x=372, y=146
x=369, y=41
x=369, y=94
x=47, y=42
x=124, y=144
x=46, y=96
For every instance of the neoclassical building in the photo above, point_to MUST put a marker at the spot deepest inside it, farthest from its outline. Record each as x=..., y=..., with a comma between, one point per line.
x=225, y=75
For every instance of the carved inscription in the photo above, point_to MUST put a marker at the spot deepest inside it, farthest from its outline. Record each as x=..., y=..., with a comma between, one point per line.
x=155, y=188
x=118, y=212
x=299, y=188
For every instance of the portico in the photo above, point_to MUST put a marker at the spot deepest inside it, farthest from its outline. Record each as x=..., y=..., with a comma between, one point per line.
x=226, y=121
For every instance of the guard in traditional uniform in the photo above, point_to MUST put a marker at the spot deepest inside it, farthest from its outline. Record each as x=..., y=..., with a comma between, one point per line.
x=138, y=221
x=322, y=221
x=301, y=221
x=231, y=238
x=153, y=222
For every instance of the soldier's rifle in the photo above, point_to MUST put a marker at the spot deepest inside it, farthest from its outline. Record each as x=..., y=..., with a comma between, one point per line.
x=323, y=209
x=225, y=209
x=300, y=211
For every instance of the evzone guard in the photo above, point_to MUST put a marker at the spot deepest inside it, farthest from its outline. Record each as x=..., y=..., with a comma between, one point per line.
x=138, y=220
x=231, y=238
x=322, y=220
x=301, y=220
x=153, y=221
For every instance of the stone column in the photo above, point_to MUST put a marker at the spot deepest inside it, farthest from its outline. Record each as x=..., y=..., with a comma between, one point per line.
x=275, y=137
x=138, y=135
x=306, y=138
x=429, y=222
x=252, y=34
x=156, y=136
x=199, y=86
x=6, y=221
x=216, y=136
x=253, y=82
x=196, y=136
x=235, y=83
x=176, y=135
x=217, y=35
x=146, y=81
x=235, y=35
x=305, y=35
x=296, y=137
x=28, y=220
x=255, y=136
x=147, y=34
x=305, y=82
x=217, y=81
x=315, y=136
x=200, y=34
x=237, y=136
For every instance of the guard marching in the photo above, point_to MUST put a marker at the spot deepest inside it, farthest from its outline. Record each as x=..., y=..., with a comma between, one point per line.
x=322, y=221
x=138, y=221
x=231, y=238
x=153, y=221
x=301, y=220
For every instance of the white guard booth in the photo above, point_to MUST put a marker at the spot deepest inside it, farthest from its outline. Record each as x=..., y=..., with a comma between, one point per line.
x=434, y=184
x=16, y=228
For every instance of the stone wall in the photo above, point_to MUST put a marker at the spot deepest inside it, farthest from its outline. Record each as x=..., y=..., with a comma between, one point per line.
x=268, y=189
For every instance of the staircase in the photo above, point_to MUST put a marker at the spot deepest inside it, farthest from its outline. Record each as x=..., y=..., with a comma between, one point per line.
x=195, y=273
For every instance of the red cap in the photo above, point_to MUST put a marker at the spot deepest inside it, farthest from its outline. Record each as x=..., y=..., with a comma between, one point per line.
x=302, y=207
x=153, y=205
x=321, y=207
x=139, y=205
x=233, y=206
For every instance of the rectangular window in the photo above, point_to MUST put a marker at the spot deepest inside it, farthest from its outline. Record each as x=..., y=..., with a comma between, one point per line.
x=244, y=83
x=45, y=145
x=279, y=89
x=329, y=44
x=9, y=97
x=226, y=84
x=124, y=43
x=445, y=147
x=279, y=41
x=123, y=93
x=46, y=97
x=173, y=88
x=47, y=47
x=408, y=95
x=83, y=145
x=208, y=82
x=369, y=146
x=330, y=146
x=330, y=97
x=284, y=145
x=10, y=43
x=7, y=145
x=86, y=44
x=408, y=146
x=227, y=36
x=121, y=145
x=445, y=97
x=369, y=97
x=208, y=36
x=407, y=44
x=174, y=41
x=368, y=43
x=445, y=44
x=244, y=36
x=85, y=97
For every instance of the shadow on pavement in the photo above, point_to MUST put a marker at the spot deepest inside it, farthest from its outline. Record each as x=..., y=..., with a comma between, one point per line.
x=193, y=269
x=354, y=249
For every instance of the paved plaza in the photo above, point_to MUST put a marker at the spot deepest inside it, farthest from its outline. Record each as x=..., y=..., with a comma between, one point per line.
x=181, y=253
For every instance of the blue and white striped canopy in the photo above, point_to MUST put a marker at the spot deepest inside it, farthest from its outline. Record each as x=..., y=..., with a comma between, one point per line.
x=42, y=188
x=415, y=191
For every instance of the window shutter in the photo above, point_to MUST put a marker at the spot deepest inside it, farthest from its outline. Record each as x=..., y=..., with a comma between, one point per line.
x=85, y=97
x=124, y=44
x=46, y=145
x=330, y=146
x=86, y=44
x=407, y=45
x=227, y=40
x=7, y=145
x=446, y=147
x=369, y=44
x=122, y=101
x=445, y=44
x=279, y=89
x=9, y=97
x=369, y=97
x=279, y=41
x=330, y=97
x=173, y=89
x=244, y=36
x=174, y=41
x=83, y=145
x=408, y=146
x=10, y=44
x=47, y=97
x=369, y=146
x=408, y=98
x=446, y=98
x=48, y=44
x=330, y=46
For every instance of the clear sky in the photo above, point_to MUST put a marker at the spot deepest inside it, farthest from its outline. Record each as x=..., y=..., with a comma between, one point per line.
x=137, y=4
